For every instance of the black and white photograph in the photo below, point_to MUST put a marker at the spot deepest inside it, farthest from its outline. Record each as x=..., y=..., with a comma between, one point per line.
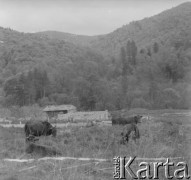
x=95, y=89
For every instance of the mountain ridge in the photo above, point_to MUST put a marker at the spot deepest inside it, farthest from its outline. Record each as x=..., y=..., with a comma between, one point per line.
x=156, y=26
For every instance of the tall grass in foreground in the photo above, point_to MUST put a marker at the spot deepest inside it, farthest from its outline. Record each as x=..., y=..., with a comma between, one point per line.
x=157, y=140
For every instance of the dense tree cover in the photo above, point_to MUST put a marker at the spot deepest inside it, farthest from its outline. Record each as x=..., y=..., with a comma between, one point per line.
x=27, y=88
x=158, y=80
x=129, y=68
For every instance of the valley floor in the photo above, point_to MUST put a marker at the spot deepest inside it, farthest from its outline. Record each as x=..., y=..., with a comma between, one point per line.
x=163, y=134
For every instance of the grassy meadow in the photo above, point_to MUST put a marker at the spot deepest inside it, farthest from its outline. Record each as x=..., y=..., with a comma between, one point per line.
x=163, y=134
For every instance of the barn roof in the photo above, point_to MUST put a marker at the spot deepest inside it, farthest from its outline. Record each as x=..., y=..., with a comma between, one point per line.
x=59, y=108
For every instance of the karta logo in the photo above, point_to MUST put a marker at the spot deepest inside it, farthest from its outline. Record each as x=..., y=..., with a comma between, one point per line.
x=149, y=170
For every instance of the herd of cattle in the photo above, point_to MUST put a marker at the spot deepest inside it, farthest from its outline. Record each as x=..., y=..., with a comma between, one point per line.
x=34, y=129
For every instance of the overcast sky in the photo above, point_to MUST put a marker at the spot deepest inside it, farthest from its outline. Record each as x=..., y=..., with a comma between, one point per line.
x=86, y=17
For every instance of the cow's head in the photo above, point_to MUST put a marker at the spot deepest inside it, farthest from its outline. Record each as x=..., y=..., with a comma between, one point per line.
x=49, y=128
x=138, y=119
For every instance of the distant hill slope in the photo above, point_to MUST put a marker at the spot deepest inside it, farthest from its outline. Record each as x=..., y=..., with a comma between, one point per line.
x=165, y=28
x=73, y=38
x=23, y=51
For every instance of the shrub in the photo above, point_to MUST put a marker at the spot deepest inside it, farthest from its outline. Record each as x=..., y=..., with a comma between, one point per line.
x=140, y=103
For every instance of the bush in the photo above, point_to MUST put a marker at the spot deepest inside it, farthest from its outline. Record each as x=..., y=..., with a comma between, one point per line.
x=140, y=103
x=171, y=98
x=5, y=112
x=34, y=112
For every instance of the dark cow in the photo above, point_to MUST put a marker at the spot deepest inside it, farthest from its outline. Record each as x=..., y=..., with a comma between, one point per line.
x=129, y=120
x=38, y=128
x=128, y=129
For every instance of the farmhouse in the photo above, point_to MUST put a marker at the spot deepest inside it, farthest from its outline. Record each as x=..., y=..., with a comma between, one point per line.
x=53, y=111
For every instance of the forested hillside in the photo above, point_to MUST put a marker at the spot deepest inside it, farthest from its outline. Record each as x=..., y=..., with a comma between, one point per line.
x=35, y=69
x=167, y=28
x=145, y=64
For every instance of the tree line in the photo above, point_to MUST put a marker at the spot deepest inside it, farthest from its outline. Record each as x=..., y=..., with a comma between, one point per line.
x=151, y=77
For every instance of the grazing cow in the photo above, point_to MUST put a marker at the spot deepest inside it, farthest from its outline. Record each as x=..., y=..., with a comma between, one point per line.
x=128, y=129
x=38, y=128
x=129, y=120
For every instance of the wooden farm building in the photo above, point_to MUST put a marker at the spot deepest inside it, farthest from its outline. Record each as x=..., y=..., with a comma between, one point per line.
x=53, y=111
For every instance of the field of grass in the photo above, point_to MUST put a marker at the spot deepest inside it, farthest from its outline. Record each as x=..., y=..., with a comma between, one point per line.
x=162, y=135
